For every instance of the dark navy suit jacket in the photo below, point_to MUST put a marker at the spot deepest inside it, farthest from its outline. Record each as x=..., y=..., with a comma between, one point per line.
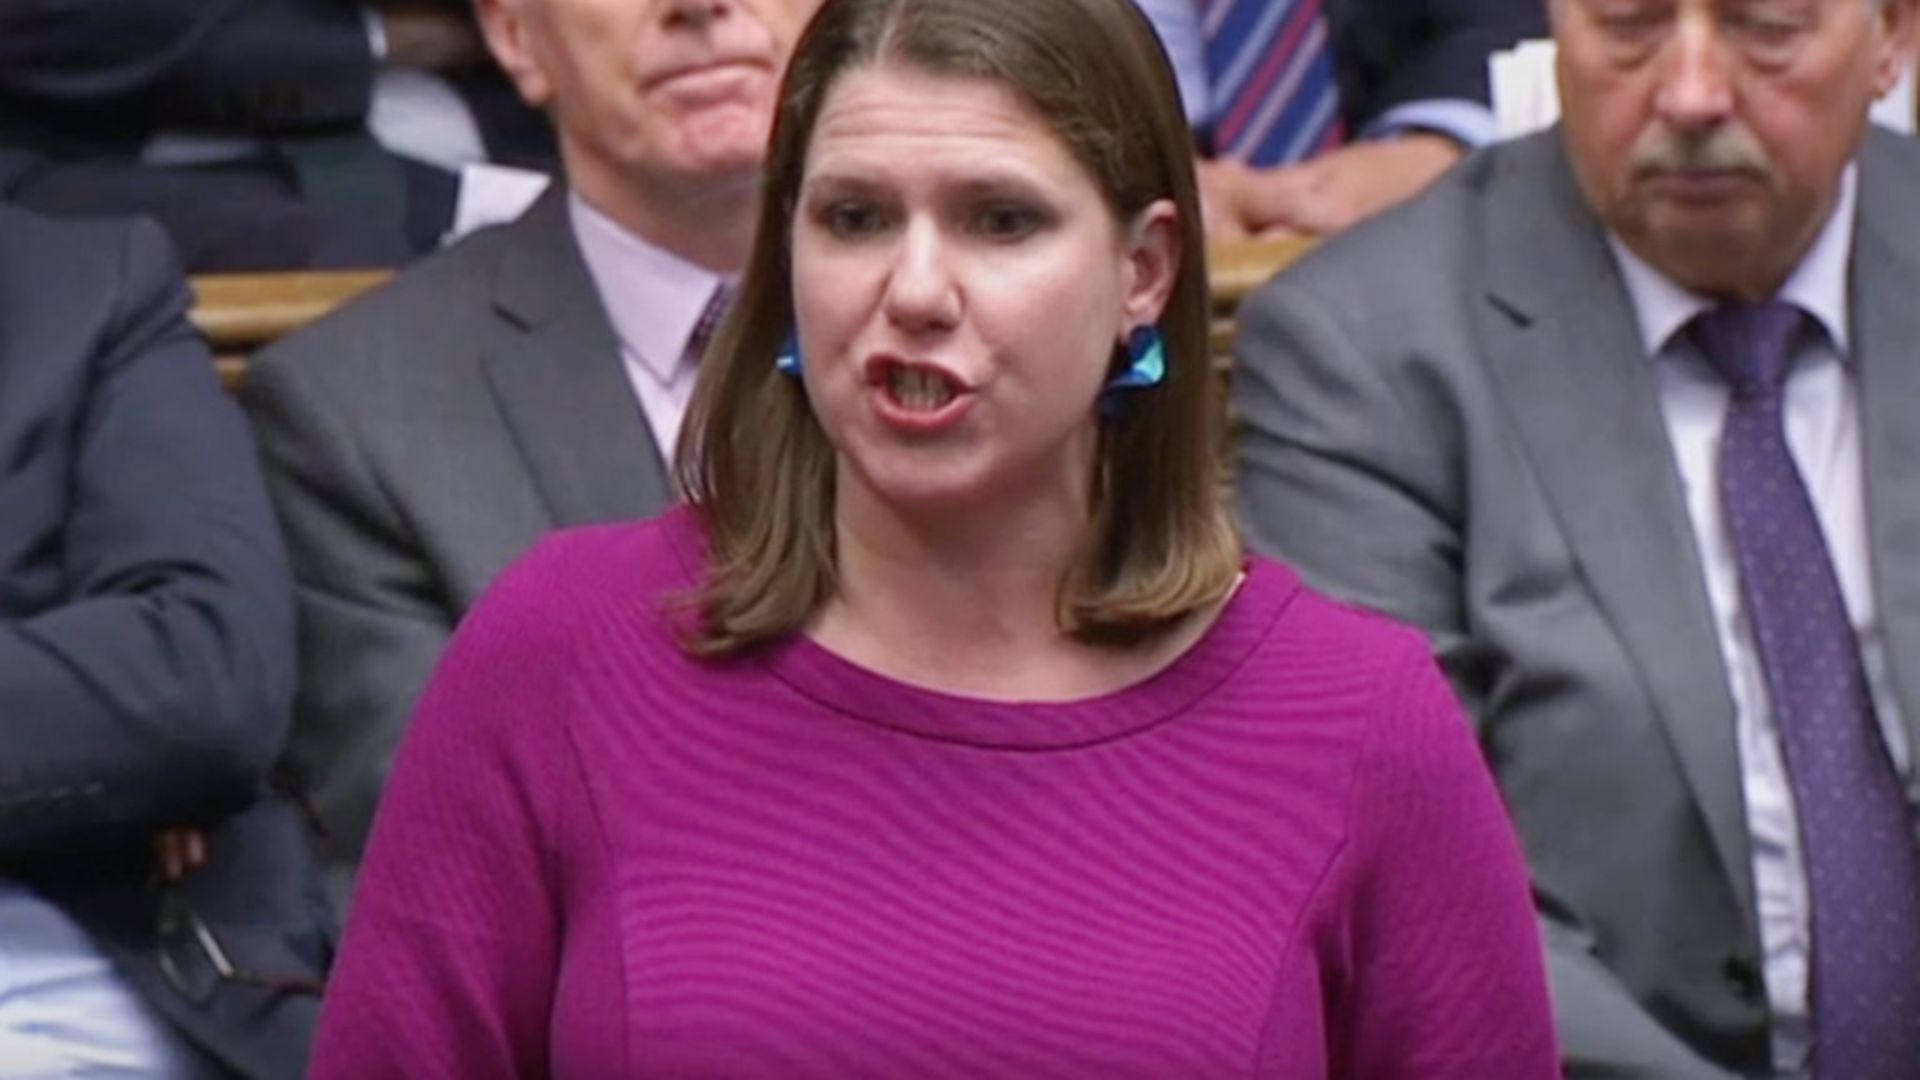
x=1391, y=52
x=84, y=85
x=146, y=640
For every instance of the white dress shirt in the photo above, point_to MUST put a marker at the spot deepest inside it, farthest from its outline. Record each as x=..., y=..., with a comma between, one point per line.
x=66, y=1011
x=654, y=299
x=418, y=114
x=1822, y=414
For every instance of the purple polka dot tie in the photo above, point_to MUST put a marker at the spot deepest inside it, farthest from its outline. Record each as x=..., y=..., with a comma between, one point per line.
x=1863, y=866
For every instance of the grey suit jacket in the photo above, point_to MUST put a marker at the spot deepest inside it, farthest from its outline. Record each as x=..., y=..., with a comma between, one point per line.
x=1446, y=414
x=415, y=442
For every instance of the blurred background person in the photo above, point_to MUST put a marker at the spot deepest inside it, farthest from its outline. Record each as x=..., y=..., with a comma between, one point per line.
x=531, y=377
x=1317, y=113
x=948, y=732
x=262, y=134
x=159, y=913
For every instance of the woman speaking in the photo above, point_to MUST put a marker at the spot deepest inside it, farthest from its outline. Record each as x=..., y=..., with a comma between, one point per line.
x=946, y=731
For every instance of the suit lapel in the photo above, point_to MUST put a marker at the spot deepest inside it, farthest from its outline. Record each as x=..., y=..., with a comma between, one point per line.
x=1885, y=284
x=1564, y=355
x=556, y=373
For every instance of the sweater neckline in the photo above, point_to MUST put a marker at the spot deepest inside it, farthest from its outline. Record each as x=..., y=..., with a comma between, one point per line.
x=836, y=683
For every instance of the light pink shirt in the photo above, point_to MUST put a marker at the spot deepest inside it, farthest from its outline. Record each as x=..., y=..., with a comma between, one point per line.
x=653, y=298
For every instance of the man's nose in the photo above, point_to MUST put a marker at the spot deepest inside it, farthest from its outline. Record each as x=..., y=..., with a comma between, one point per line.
x=697, y=13
x=1698, y=65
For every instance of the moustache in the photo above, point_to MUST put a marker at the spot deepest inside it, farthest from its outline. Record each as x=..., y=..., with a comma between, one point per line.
x=1723, y=149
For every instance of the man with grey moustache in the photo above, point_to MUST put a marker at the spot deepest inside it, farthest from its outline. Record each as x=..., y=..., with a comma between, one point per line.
x=1634, y=444
x=529, y=378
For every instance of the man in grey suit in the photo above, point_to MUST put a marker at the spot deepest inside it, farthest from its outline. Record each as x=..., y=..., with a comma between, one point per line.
x=1623, y=416
x=529, y=378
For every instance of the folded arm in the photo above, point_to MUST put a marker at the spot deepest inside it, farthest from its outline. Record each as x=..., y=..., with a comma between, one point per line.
x=156, y=694
x=1415, y=94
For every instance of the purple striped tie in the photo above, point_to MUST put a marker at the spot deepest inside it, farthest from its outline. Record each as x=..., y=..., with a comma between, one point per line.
x=1271, y=77
x=709, y=321
x=1863, y=865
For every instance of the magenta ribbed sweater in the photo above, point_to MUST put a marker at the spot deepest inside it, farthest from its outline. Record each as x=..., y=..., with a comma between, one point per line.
x=1279, y=857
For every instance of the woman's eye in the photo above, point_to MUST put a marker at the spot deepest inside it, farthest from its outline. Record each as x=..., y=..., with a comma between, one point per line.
x=1007, y=221
x=851, y=220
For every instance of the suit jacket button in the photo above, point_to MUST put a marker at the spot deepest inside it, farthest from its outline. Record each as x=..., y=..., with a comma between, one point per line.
x=1743, y=978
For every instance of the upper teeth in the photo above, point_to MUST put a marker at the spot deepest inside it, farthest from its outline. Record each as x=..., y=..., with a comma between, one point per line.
x=917, y=388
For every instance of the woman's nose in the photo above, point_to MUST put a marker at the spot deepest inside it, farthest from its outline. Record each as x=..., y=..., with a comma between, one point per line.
x=921, y=290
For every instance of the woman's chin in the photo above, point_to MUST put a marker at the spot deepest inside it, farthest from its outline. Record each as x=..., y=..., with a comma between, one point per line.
x=925, y=484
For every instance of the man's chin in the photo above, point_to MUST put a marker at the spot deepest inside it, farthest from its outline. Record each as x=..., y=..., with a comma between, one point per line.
x=1712, y=261
x=718, y=171
x=723, y=141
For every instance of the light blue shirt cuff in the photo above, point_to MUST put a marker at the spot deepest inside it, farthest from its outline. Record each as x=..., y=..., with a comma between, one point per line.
x=376, y=34
x=1177, y=22
x=1468, y=123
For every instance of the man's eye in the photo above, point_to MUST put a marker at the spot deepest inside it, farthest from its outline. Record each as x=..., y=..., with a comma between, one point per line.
x=852, y=219
x=1632, y=25
x=1767, y=33
x=1006, y=221
x=1631, y=20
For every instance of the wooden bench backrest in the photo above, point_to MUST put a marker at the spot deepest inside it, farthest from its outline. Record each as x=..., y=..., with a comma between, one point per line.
x=240, y=313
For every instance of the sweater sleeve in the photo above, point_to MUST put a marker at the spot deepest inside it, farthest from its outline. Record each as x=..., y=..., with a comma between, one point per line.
x=451, y=952
x=1443, y=977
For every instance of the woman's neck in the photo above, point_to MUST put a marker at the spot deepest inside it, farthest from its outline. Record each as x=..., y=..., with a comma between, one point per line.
x=966, y=601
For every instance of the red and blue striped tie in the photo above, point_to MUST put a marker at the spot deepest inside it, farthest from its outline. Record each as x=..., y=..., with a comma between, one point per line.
x=1271, y=76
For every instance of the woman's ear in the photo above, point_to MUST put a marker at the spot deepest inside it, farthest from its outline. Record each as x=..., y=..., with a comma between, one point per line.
x=1152, y=257
x=509, y=37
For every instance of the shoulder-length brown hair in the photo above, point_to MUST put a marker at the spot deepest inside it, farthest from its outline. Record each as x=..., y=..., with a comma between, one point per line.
x=754, y=462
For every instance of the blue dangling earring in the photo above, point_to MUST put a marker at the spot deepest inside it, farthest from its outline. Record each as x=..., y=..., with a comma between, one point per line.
x=787, y=360
x=1147, y=362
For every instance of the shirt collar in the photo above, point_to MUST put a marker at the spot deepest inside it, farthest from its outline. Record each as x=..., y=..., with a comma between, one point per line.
x=1817, y=286
x=652, y=296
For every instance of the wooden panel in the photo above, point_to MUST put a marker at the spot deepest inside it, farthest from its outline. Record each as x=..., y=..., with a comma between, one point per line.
x=1236, y=269
x=240, y=313
x=245, y=311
